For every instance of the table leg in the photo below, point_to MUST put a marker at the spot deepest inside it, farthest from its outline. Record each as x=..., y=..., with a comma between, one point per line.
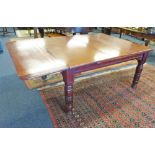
x=120, y=33
x=41, y=31
x=138, y=71
x=68, y=78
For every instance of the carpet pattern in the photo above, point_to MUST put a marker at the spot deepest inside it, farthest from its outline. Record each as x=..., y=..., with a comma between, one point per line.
x=106, y=101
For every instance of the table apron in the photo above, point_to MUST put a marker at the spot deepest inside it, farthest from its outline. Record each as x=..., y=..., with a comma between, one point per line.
x=101, y=64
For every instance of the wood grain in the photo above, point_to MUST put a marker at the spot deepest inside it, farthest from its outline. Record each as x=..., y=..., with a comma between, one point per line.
x=38, y=57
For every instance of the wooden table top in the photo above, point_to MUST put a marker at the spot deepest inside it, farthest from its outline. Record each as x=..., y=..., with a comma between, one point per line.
x=38, y=57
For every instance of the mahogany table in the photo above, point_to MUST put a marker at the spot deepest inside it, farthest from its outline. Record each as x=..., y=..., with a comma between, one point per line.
x=147, y=35
x=73, y=55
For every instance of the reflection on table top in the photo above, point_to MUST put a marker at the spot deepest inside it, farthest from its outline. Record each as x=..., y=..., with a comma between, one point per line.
x=36, y=57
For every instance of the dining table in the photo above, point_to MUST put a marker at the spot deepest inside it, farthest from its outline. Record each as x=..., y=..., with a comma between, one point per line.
x=72, y=55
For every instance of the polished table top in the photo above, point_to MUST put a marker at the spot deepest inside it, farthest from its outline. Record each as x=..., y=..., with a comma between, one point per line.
x=38, y=57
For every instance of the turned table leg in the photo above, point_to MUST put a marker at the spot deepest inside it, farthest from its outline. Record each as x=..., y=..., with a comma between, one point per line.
x=68, y=78
x=138, y=71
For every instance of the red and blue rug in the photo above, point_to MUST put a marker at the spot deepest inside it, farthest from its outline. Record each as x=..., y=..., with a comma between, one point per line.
x=106, y=101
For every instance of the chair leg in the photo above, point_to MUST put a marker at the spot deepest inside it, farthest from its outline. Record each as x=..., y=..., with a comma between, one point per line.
x=14, y=29
x=4, y=31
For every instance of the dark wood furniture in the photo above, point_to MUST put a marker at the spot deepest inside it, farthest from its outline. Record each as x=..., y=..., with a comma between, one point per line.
x=107, y=30
x=73, y=55
x=73, y=30
x=144, y=34
x=62, y=30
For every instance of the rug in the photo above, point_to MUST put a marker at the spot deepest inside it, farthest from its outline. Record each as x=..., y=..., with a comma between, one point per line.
x=106, y=101
x=56, y=78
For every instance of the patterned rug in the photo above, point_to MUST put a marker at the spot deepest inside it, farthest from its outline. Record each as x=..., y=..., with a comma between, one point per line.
x=106, y=101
